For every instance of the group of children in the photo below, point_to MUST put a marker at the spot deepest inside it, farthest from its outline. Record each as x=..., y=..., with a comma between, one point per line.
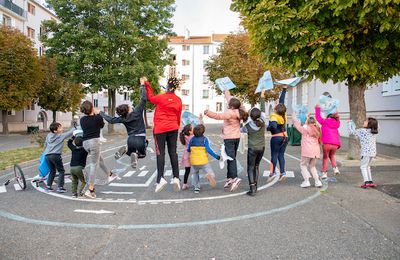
x=236, y=120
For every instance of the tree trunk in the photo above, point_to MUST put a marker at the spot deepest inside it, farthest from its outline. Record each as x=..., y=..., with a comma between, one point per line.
x=111, y=108
x=357, y=114
x=4, y=117
x=54, y=116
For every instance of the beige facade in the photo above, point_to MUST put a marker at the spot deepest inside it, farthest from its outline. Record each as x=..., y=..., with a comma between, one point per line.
x=27, y=16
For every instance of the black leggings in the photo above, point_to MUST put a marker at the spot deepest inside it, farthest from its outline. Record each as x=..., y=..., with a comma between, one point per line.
x=254, y=157
x=171, y=139
x=187, y=172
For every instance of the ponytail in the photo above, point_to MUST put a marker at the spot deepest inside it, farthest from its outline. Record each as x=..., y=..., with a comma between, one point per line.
x=255, y=115
x=185, y=132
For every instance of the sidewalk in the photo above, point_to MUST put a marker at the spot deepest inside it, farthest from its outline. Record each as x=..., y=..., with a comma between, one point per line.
x=15, y=141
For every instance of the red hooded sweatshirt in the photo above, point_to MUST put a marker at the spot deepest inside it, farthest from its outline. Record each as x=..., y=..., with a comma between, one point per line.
x=167, y=116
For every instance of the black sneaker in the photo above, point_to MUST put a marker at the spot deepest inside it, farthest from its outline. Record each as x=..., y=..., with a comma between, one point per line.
x=75, y=195
x=61, y=190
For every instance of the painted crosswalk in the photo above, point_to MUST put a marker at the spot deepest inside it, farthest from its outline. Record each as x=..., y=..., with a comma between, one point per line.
x=3, y=188
x=142, y=173
x=129, y=174
x=289, y=174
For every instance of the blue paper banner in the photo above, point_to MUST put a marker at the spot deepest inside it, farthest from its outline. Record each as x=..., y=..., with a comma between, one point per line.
x=328, y=105
x=265, y=82
x=292, y=82
x=189, y=118
x=224, y=83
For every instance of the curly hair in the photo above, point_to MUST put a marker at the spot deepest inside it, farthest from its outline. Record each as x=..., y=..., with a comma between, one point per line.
x=122, y=110
x=173, y=84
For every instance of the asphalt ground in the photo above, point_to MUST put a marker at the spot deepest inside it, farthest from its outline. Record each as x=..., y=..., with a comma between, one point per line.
x=339, y=221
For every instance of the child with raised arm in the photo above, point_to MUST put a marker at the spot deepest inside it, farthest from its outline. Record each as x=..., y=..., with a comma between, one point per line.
x=310, y=152
x=279, y=140
x=198, y=148
x=330, y=139
x=77, y=165
x=367, y=136
x=255, y=129
x=54, y=147
x=231, y=135
x=134, y=123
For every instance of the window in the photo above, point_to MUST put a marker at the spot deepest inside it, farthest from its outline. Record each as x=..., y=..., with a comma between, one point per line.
x=95, y=102
x=185, y=77
x=6, y=20
x=205, y=79
x=11, y=113
x=185, y=92
x=185, y=107
x=31, y=33
x=41, y=31
x=185, y=62
x=206, y=93
x=31, y=106
x=126, y=96
x=185, y=47
x=204, y=63
x=40, y=51
x=31, y=8
x=218, y=107
x=206, y=49
x=391, y=87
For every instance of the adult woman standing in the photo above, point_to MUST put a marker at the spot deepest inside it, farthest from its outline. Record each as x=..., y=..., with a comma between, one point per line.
x=91, y=125
x=279, y=140
x=167, y=119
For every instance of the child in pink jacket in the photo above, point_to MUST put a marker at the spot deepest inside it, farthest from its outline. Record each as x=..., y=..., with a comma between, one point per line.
x=231, y=135
x=330, y=139
x=310, y=140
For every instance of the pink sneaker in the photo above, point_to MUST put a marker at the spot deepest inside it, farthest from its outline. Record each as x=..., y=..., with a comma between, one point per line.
x=228, y=183
x=185, y=186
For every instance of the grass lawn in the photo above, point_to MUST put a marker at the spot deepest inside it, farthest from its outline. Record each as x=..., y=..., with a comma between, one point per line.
x=11, y=157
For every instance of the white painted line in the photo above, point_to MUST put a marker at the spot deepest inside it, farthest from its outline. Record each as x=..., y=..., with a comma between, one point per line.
x=94, y=211
x=3, y=189
x=168, y=173
x=143, y=173
x=118, y=192
x=293, y=157
x=129, y=174
x=289, y=174
x=17, y=187
x=142, y=168
x=266, y=174
x=181, y=172
x=129, y=185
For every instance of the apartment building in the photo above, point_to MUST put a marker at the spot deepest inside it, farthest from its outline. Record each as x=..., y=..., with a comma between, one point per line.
x=190, y=55
x=27, y=16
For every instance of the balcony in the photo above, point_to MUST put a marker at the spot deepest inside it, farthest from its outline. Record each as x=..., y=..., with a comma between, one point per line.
x=13, y=7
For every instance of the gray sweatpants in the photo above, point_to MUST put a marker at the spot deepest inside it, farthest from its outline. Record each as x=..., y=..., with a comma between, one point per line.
x=196, y=173
x=365, y=168
x=94, y=159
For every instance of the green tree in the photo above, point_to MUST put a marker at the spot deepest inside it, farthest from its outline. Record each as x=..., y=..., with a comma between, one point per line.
x=20, y=74
x=110, y=44
x=353, y=41
x=242, y=66
x=56, y=93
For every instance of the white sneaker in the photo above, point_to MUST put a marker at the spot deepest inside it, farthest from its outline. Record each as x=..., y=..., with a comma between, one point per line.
x=336, y=170
x=38, y=178
x=160, y=186
x=318, y=183
x=235, y=184
x=112, y=177
x=271, y=178
x=177, y=184
x=305, y=184
x=324, y=175
x=134, y=160
x=90, y=194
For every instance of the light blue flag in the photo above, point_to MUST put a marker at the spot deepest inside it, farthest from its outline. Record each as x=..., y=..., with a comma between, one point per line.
x=328, y=105
x=290, y=82
x=301, y=113
x=265, y=82
x=189, y=118
x=225, y=83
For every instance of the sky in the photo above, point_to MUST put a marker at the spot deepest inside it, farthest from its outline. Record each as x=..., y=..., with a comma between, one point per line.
x=204, y=17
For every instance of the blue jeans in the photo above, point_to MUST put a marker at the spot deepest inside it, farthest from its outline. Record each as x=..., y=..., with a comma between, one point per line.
x=278, y=147
x=231, y=147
